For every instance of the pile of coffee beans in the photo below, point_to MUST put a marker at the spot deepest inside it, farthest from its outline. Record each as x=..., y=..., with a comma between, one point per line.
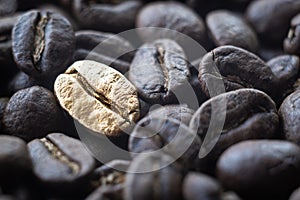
x=218, y=122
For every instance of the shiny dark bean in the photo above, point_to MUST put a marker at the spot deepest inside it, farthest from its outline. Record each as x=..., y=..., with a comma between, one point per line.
x=285, y=68
x=290, y=115
x=106, y=16
x=227, y=28
x=15, y=162
x=248, y=114
x=239, y=69
x=261, y=169
x=270, y=19
x=43, y=44
x=170, y=15
x=164, y=63
x=61, y=163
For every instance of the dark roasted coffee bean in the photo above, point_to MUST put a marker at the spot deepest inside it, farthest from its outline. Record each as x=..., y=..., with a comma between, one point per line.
x=170, y=15
x=106, y=16
x=110, y=101
x=43, y=44
x=162, y=181
x=32, y=112
x=61, y=163
x=3, y=103
x=197, y=186
x=15, y=163
x=285, y=68
x=21, y=81
x=290, y=116
x=271, y=19
x=227, y=28
x=238, y=68
x=248, y=114
x=158, y=70
x=295, y=195
x=106, y=48
x=168, y=135
x=292, y=42
x=261, y=169
x=8, y=7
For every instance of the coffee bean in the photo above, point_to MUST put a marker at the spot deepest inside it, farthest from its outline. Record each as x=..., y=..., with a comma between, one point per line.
x=156, y=184
x=8, y=7
x=61, y=163
x=108, y=99
x=197, y=186
x=43, y=44
x=291, y=44
x=270, y=19
x=247, y=114
x=285, y=68
x=106, y=16
x=15, y=163
x=164, y=63
x=261, y=169
x=3, y=103
x=227, y=28
x=290, y=115
x=168, y=135
x=170, y=15
x=295, y=195
x=32, y=112
x=106, y=48
x=238, y=68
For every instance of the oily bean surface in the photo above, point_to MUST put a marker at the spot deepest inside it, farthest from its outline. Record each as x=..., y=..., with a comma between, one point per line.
x=164, y=63
x=270, y=19
x=247, y=114
x=61, y=162
x=227, y=28
x=106, y=16
x=43, y=44
x=291, y=43
x=261, y=169
x=238, y=68
x=290, y=117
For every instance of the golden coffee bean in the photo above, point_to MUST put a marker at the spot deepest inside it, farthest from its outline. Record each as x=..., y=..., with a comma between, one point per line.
x=98, y=96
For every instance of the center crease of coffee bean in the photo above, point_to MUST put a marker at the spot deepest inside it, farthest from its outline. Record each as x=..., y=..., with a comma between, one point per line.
x=160, y=58
x=39, y=40
x=90, y=90
x=59, y=155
